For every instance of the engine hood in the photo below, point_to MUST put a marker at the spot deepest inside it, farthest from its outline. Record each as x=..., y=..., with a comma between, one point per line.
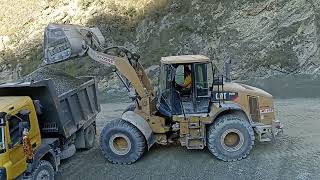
x=243, y=88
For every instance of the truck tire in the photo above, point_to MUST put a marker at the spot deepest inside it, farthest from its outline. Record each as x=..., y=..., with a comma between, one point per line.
x=44, y=170
x=89, y=136
x=230, y=138
x=121, y=142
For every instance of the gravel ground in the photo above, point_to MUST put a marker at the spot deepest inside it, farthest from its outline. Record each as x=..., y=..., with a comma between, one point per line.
x=63, y=82
x=294, y=155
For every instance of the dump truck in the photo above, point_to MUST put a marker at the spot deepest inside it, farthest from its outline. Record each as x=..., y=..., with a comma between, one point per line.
x=41, y=125
x=213, y=112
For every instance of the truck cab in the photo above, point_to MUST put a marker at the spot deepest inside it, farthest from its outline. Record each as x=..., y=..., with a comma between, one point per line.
x=17, y=112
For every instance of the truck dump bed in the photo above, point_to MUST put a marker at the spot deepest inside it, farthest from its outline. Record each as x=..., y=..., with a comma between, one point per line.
x=62, y=112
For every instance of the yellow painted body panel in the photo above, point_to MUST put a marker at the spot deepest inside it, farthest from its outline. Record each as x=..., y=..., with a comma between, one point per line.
x=264, y=101
x=13, y=159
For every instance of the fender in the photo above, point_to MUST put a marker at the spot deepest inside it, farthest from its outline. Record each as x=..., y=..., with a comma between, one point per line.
x=229, y=107
x=141, y=124
x=43, y=151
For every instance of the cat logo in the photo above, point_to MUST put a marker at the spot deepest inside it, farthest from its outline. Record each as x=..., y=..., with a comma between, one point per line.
x=227, y=96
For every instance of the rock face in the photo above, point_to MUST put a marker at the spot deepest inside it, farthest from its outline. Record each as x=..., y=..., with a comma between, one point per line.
x=261, y=37
x=278, y=35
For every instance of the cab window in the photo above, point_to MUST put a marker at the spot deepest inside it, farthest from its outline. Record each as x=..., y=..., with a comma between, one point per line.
x=201, y=80
x=165, y=86
x=179, y=75
x=14, y=121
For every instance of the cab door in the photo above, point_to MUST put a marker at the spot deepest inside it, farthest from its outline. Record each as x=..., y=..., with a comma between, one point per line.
x=16, y=153
x=201, y=88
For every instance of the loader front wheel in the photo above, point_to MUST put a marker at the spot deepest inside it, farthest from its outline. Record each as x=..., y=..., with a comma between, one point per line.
x=121, y=142
x=230, y=138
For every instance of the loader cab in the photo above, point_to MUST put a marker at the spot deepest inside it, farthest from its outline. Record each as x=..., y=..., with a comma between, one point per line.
x=175, y=96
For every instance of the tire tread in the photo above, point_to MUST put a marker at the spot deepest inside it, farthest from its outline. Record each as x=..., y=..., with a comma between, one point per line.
x=141, y=143
x=219, y=124
x=41, y=163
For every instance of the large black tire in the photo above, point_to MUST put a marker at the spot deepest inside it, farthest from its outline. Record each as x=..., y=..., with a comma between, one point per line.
x=230, y=137
x=121, y=142
x=89, y=136
x=44, y=170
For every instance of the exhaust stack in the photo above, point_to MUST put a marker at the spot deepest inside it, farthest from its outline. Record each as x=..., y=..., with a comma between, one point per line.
x=227, y=68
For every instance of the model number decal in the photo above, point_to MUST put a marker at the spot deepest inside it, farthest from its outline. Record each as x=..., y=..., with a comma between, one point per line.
x=268, y=110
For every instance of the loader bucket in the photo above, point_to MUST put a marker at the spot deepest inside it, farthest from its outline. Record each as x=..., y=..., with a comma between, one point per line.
x=63, y=42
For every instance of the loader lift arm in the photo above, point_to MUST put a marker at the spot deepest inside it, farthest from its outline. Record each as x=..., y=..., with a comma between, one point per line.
x=63, y=42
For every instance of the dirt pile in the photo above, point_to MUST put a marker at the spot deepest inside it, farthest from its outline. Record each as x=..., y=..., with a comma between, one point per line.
x=63, y=82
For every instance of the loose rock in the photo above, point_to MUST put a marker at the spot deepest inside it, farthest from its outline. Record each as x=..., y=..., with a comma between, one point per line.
x=63, y=82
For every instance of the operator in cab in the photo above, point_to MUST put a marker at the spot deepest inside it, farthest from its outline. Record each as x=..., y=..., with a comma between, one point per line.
x=185, y=88
x=187, y=79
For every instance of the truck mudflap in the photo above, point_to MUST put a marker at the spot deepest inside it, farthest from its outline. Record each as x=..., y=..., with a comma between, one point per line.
x=267, y=132
x=141, y=124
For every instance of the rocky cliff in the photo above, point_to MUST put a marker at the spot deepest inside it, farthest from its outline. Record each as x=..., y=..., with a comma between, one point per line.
x=261, y=37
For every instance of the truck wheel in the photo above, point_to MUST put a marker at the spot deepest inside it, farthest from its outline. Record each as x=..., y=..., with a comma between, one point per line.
x=44, y=171
x=89, y=136
x=230, y=138
x=121, y=142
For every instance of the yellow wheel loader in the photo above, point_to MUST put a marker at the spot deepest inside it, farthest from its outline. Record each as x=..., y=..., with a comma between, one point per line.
x=210, y=111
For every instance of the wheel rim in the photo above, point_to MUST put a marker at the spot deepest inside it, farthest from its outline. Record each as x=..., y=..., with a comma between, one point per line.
x=120, y=144
x=232, y=140
x=43, y=175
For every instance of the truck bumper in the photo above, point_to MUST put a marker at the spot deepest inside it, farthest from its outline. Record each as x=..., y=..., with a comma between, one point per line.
x=267, y=132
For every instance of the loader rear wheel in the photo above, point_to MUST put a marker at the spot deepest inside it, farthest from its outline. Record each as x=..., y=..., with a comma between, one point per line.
x=89, y=136
x=121, y=142
x=230, y=138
